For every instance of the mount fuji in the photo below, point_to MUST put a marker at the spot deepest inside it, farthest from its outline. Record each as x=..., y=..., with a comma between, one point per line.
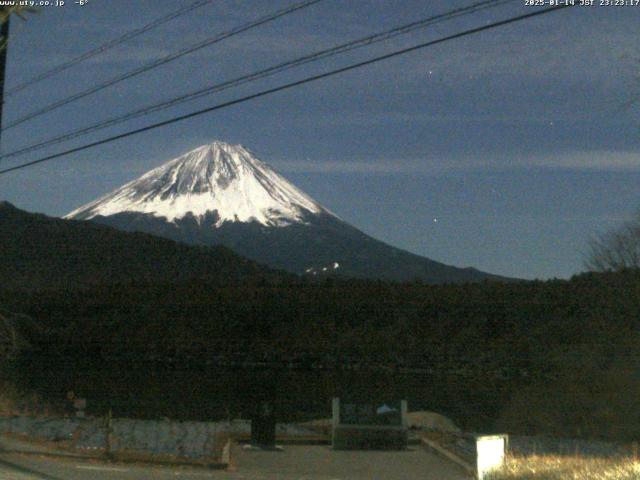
x=222, y=194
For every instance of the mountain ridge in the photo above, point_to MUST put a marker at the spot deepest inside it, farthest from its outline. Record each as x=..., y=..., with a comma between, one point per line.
x=221, y=194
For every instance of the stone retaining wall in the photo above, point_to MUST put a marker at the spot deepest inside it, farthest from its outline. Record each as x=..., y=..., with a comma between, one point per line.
x=195, y=440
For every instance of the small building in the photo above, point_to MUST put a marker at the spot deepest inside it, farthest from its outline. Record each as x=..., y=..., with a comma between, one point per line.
x=366, y=426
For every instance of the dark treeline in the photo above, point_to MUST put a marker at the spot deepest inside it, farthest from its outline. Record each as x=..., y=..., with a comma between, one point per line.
x=555, y=357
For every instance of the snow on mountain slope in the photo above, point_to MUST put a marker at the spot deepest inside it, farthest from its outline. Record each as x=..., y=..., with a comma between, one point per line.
x=218, y=177
x=220, y=194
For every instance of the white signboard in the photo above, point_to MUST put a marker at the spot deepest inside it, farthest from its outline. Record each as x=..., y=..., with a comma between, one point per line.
x=491, y=451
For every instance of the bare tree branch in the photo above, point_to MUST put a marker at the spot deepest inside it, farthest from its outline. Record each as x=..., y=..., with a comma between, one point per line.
x=616, y=250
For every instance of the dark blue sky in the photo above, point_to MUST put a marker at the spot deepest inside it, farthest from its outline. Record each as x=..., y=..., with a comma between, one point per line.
x=505, y=151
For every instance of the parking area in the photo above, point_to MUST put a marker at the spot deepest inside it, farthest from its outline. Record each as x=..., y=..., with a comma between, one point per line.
x=293, y=462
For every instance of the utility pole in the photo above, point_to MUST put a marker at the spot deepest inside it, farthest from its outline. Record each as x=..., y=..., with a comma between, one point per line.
x=4, y=33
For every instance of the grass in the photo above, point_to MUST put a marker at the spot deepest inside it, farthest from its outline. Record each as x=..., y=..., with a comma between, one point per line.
x=554, y=467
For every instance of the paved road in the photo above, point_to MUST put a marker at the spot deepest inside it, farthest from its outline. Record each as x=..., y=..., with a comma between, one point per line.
x=33, y=467
x=293, y=463
x=39, y=463
x=323, y=463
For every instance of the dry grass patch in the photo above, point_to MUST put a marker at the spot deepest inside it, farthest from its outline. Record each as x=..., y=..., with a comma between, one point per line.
x=554, y=467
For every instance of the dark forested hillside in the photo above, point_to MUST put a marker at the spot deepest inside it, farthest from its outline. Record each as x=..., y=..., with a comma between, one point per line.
x=319, y=244
x=534, y=357
x=557, y=357
x=38, y=252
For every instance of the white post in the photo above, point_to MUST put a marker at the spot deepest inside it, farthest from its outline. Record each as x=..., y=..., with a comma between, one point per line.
x=490, y=453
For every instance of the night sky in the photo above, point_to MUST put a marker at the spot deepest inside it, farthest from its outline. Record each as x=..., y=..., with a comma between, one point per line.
x=506, y=150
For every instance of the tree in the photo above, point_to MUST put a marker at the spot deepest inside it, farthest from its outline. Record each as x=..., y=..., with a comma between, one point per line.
x=616, y=250
x=5, y=14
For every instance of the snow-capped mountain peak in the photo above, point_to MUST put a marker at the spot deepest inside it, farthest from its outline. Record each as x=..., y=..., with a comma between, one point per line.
x=218, y=177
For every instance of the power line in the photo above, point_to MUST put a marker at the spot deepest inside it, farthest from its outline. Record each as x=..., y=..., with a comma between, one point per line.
x=164, y=60
x=289, y=85
x=320, y=55
x=107, y=46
